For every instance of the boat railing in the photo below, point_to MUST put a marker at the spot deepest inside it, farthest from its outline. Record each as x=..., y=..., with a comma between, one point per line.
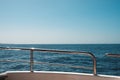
x=113, y=55
x=32, y=62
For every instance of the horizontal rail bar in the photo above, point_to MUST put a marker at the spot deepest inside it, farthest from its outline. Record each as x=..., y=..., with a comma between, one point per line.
x=52, y=51
x=54, y=64
x=46, y=50
x=113, y=55
x=25, y=61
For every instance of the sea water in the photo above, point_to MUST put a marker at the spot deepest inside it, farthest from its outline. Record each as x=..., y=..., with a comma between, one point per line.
x=105, y=65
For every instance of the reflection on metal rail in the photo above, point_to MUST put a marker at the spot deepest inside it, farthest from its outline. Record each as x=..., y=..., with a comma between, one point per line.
x=52, y=51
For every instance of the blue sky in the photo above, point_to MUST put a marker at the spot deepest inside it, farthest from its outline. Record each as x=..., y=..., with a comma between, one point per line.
x=59, y=21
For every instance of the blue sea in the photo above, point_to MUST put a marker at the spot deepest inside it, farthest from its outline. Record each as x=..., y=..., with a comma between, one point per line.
x=105, y=65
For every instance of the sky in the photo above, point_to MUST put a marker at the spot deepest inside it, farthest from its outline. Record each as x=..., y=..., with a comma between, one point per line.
x=60, y=21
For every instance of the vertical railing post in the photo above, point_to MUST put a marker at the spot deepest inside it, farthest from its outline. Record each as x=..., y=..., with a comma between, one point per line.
x=94, y=64
x=31, y=60
x=94, y=67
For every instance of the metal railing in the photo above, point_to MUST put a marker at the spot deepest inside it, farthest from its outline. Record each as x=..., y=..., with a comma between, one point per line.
x=52, y=51
x=113, y=55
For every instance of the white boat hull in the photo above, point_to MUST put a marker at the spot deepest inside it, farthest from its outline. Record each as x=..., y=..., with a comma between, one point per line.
x=47, y=75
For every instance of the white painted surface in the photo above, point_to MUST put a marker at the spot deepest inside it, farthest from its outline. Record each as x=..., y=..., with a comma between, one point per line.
x=47, y=75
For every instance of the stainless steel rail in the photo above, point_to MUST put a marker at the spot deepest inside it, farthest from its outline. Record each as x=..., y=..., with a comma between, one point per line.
x=52, y=51
x=113, y=55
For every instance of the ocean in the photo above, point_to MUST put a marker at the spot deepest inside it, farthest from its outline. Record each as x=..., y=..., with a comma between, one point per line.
x=105, y=65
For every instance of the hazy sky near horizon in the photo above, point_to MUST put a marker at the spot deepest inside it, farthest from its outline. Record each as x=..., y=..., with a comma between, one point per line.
x=59, y=21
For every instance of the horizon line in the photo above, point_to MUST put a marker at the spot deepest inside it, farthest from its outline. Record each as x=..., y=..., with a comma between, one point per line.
x=60, y=43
